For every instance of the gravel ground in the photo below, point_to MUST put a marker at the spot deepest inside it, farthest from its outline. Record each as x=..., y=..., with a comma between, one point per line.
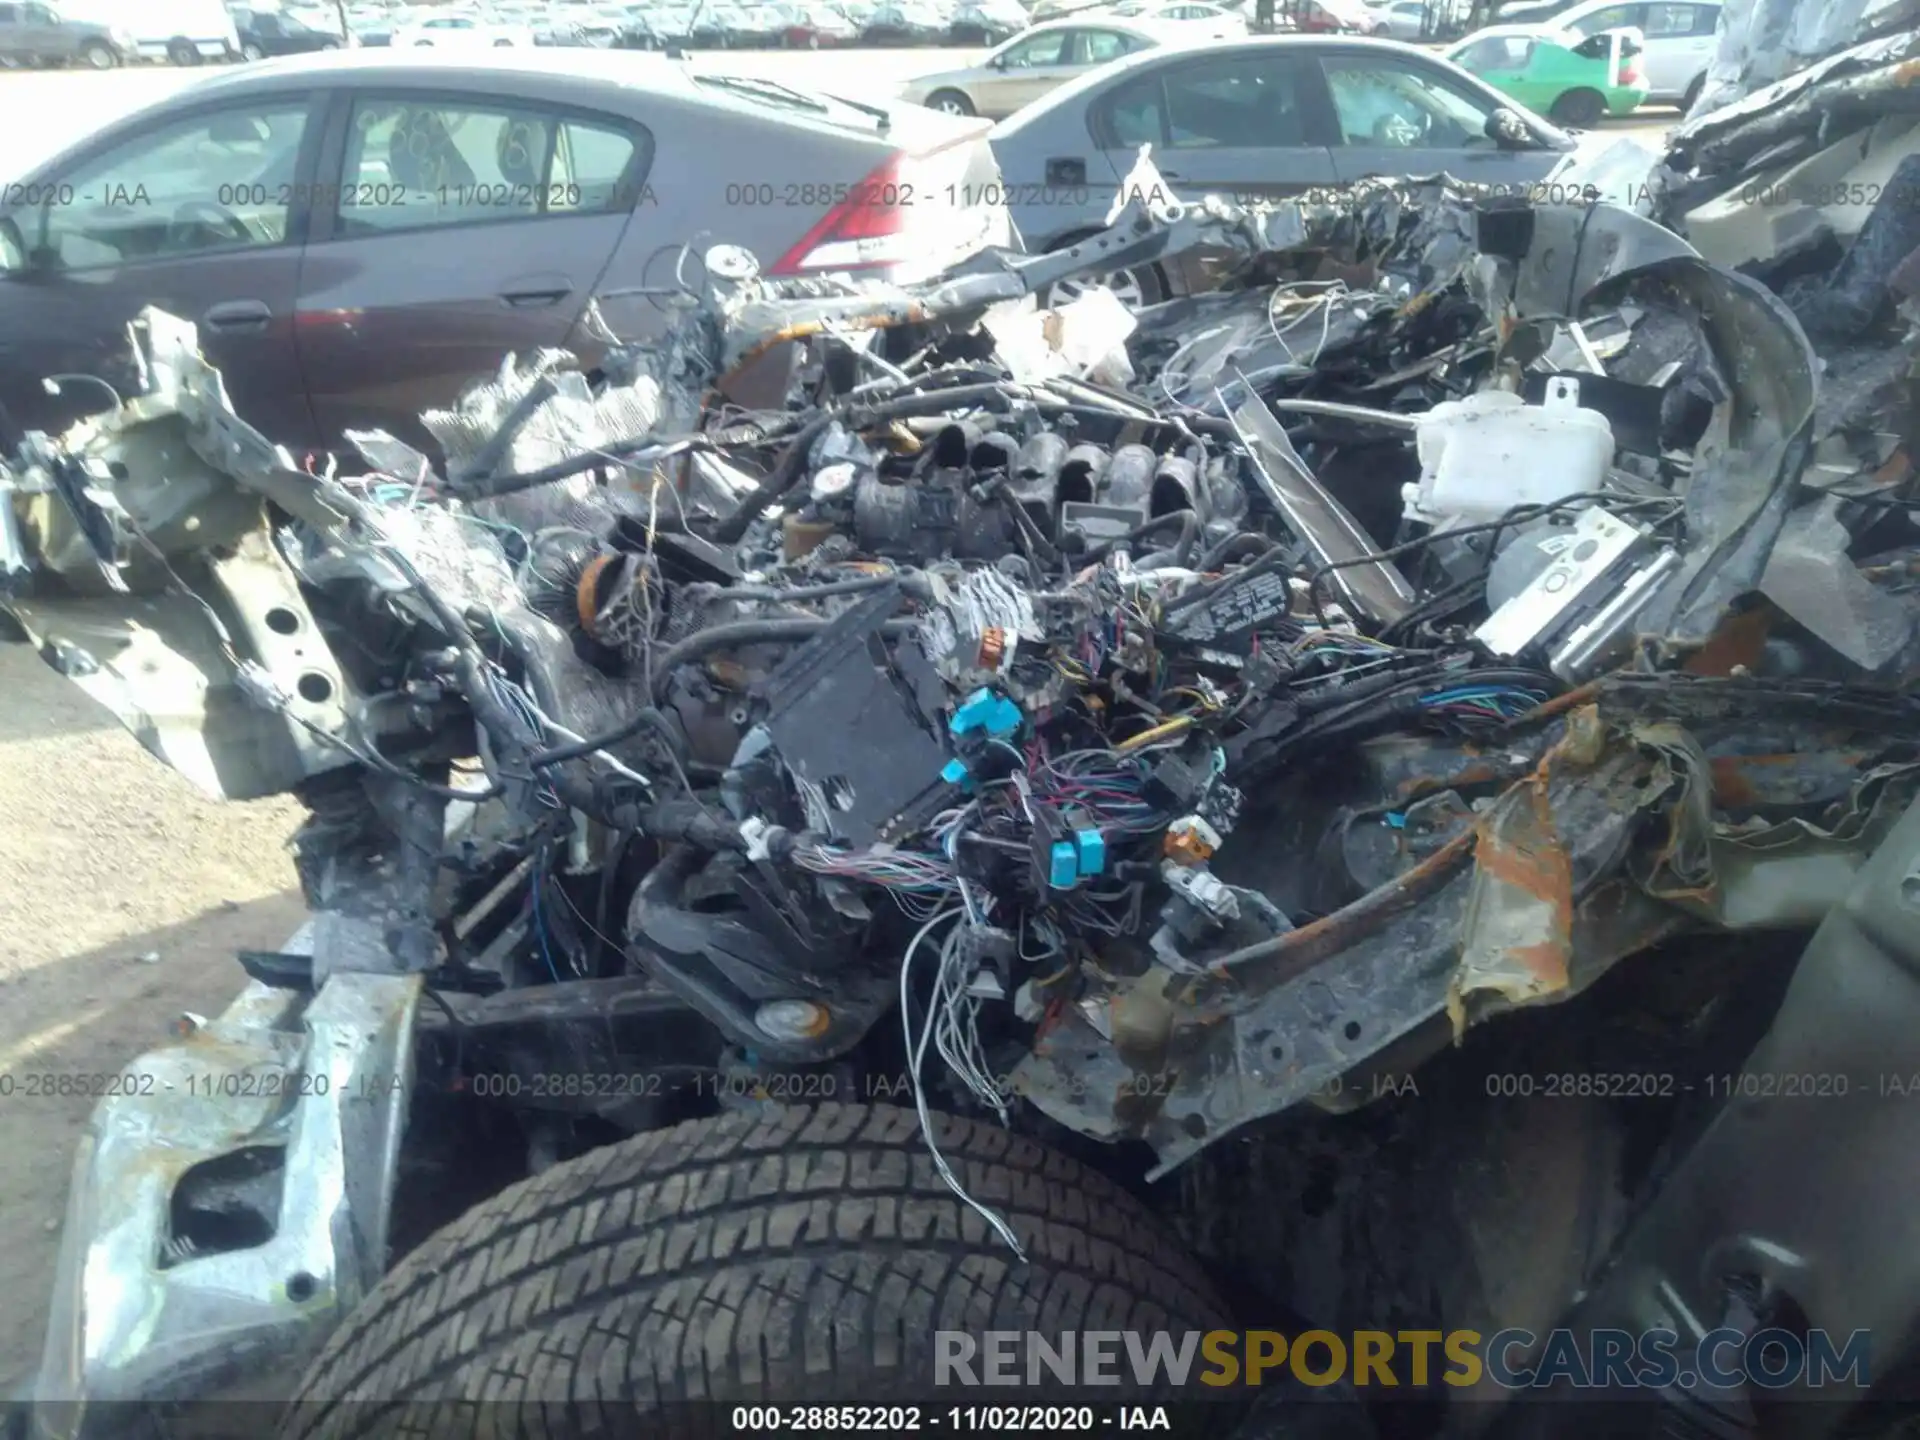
x=123, y=895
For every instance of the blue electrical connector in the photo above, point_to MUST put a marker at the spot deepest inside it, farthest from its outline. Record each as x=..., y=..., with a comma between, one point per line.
x=994, y=715
x=1064, y=866
x=1090, y=852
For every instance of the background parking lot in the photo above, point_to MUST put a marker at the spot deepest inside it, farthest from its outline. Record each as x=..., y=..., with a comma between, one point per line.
x=43, y=111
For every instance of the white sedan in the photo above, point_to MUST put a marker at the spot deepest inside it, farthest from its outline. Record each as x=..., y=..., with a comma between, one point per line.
x=462, y=31
x=1195, y=20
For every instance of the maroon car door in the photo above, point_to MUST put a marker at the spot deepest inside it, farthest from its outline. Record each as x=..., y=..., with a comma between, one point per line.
x=200, y=216
x=465, y=227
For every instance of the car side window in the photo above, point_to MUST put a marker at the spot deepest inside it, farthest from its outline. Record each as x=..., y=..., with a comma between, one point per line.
x=596, y=169
x=419, y=163
x=218, y=181
x=1387, y=104
x=1613, y=17
x=1706, y=19
x=9, y=14
x=1132, y=114
x=414, y=164
x=1667, y=21
x=1048, y=49
x=39, y=15
x=1253, y=102
x=267, y=24
x=1099, y=46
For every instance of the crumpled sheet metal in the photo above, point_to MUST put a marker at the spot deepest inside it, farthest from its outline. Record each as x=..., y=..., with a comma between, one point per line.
x=1763, y=41
x=1278, y=1029
x=1549, y=887
x=1747, y=471
x=1795, y=871
x=1739, y=876
x=1852, y=86
x=125, y=1324
x=1836, y=603
x=1517, y=934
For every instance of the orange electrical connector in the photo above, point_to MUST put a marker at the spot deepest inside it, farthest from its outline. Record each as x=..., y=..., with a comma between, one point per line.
x=1190, y=841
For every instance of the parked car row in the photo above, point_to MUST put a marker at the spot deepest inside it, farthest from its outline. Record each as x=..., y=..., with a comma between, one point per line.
x=102, y=34
x=693, y=24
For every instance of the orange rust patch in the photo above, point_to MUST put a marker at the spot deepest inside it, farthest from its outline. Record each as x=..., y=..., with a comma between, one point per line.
x=584, y=592
x=1737, y=642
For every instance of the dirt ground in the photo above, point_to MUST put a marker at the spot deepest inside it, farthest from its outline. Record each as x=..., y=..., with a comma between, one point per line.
x=123, y=895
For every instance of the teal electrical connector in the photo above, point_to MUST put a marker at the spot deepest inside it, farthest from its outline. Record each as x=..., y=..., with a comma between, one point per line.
x=1063, y=865
x=992, y=714
x=1090, y=852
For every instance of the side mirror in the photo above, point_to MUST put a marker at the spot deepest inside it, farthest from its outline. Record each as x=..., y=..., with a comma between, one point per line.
x=999, y=62
x=1508, y=130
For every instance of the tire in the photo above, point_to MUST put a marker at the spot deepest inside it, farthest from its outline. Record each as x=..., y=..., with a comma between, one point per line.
x=98, y=56
x=250, y=51
x=182, y=52
x=952, y=102
x=1581, y=109
x=791, y=1255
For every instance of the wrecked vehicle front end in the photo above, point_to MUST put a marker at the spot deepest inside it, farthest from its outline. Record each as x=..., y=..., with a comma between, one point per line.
x=1134, y=727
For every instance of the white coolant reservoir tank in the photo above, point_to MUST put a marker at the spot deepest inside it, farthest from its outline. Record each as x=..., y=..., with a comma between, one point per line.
x=1481, y=456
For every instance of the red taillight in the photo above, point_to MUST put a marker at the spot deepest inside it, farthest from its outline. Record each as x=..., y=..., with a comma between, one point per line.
x=1632, y=78
x=853, y=235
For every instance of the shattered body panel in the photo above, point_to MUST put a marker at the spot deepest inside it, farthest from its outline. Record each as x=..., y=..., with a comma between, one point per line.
x=1173, y=712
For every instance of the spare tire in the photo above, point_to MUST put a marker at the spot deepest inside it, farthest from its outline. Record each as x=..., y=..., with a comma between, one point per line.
x=790, y=1255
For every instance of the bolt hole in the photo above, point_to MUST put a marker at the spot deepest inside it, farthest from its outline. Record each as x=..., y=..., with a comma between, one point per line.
x=314, y=688
x=1277, y=1053
x=839, y=792
x=282, y=621
x=1352, y=1030
x=301, y=1287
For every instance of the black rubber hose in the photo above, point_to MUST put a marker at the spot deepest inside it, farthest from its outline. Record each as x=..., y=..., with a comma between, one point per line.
x=809, y=592
x=646, y=718
x=1182, y=550
x=1249, y=542
x=497, y=485
x=487, y=460
x=775, y=484
x=1186, y=519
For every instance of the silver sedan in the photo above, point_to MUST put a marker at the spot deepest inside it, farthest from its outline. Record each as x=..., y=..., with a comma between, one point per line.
x=1033, y=63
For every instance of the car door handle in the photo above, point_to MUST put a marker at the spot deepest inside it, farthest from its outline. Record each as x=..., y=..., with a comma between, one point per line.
x=533, y=299
x=233, y=315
